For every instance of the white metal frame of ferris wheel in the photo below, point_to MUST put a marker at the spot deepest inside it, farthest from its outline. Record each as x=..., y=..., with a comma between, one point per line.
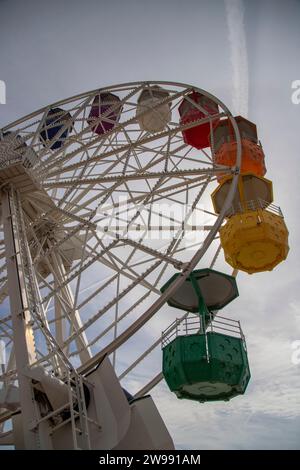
x=42, y=228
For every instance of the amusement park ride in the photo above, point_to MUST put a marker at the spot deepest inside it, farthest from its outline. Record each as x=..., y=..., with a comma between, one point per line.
x=84, y=283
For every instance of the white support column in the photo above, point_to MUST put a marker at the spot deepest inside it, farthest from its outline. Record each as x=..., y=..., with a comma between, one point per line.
x=24, y=346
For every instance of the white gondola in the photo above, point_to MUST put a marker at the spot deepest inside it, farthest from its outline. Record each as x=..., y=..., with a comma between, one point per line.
x=152, y=116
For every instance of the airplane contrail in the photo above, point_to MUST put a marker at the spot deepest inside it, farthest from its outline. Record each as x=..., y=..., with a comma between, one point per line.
x=238, y=55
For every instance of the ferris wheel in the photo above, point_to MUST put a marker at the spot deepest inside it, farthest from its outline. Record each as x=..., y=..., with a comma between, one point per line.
x=105, y=196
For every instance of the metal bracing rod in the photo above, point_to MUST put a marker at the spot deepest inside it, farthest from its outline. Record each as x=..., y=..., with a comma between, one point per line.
x=122, y=316
x=91, y=142
x=117, y=128
x=11, y=363
x=146, y=200
x=128, y=154
x=3, y=279
x=7, y=415
x=137, y=198
x=69, y=217
x=122, y=270
x=150, y=251
x=3, y=267
x=59, y=320
x=140, y=359
x=218, y=251
x=146, y=389
x=158, y=151
x=38, y=129
x=132, y=177
x=6, y=438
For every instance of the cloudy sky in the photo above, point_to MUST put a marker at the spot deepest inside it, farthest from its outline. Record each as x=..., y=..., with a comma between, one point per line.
x=247, y=54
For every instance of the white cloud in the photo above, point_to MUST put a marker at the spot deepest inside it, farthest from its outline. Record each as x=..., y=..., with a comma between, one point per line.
x=238, y=56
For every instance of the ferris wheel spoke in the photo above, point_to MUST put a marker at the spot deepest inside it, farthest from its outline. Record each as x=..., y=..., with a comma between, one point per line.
x=175, y=174
x=217, y=253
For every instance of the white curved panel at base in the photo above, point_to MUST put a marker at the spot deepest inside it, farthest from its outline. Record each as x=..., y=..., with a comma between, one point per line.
x=147, y=429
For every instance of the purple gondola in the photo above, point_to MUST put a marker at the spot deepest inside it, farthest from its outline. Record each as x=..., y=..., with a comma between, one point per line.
x=107, y=106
